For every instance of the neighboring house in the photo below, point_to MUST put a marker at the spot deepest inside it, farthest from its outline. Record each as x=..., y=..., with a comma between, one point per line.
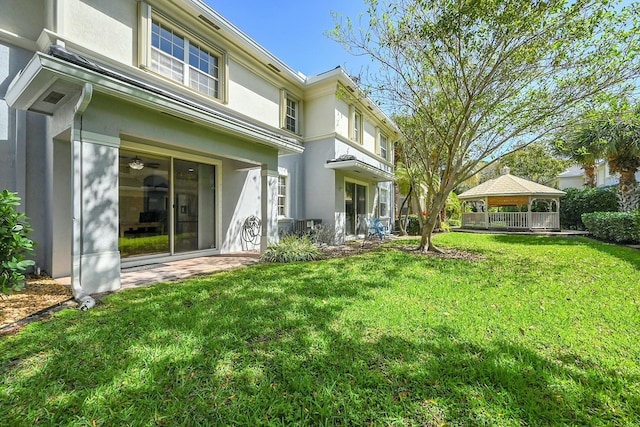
x=142, y=131
x=574, y=177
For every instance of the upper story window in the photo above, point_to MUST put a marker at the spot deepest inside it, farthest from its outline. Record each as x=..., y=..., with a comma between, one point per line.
x=177, y=57
x=357, y=127
x=384, y=147
x=291, y=115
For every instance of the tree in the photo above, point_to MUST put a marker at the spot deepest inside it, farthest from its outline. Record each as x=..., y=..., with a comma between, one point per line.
x=612, y=135
x=585, y=148
x=621, y=137
x=473, y=77
x=535, y=162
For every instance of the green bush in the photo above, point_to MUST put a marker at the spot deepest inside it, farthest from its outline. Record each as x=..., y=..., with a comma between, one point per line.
x=587, y=200
x=619, y=227
x=14, y=243
x=412, y=225
x=454, y=223
x=290, y=249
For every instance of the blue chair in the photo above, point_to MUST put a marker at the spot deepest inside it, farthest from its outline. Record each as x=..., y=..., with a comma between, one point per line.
x=374, y=227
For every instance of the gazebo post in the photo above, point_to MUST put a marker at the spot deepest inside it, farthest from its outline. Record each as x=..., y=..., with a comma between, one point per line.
x=486, y=212
x=529, y=223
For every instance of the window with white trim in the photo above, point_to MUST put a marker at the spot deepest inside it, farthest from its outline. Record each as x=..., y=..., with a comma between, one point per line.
x=383, y=202
x=357, y=127
x=384, y=146
x=282, y=195
x=175, y=56
x=291, y=115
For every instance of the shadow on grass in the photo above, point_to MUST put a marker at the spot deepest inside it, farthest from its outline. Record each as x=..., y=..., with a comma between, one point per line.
x=270, y=344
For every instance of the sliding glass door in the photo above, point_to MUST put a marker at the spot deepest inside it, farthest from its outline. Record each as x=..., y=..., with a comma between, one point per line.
x=355, y=208
x=166, y=205
x=194, y=206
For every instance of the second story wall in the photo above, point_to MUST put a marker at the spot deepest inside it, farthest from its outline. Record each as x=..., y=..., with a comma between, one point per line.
x=252, y=96
x=106, y=27
x=23, y=18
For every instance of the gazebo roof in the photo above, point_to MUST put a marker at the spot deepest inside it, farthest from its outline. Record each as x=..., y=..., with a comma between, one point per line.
x=510, y=185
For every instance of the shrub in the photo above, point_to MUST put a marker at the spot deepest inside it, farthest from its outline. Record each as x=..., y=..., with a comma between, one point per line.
x=454, y=223
x=14, y=243
x=291, y=248
x=412, y=226
x=587, y=200
x=619, y=227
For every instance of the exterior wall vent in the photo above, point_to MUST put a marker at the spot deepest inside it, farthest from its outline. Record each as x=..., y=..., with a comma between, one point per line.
x=209, y=22
x=273, y=67
x=53, y=97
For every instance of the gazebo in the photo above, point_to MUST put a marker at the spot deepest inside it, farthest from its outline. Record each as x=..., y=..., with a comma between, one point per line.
x=500, y=204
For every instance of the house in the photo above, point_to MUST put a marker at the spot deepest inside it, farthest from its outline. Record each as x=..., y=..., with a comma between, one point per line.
x=574, y=177
x=142, y=131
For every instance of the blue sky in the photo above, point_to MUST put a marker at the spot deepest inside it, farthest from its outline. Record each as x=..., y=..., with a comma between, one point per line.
x=293, y=30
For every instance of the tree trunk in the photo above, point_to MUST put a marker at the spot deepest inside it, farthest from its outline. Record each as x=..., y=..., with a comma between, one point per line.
x=590, y=173
x=628, y=196
x=403, y=231
x=436, y=205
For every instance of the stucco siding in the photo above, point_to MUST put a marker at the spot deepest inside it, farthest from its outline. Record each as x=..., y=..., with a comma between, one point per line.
x=342, y=119
x=319, y=181
x=318, y=119
x=106, y=27
x=241, y=196
x=15, y=19
x=369, y=137
x=253, y=96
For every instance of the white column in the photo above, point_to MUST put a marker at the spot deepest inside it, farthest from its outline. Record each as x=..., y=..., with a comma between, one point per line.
x=95, y=256
x=269, y=205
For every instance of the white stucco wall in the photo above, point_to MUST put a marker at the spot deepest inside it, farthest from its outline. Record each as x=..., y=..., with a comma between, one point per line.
x=106, y=27
x=318, y=117
x=342, y=119
x=319, y=181
x=253, y=96
x=241, y=196
x=24, y=18
x=369, y=137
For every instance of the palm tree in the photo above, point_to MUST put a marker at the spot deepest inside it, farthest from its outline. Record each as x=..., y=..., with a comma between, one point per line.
x=622, y=151
x=585, y=148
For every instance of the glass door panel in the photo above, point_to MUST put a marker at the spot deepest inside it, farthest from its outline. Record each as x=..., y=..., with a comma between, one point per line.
x=349, y=208
x=361, y=208
x=143, y=204
x=355, y=208
x=194, y=189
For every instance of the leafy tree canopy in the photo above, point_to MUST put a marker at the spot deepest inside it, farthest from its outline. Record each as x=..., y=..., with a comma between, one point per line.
x=474, y=78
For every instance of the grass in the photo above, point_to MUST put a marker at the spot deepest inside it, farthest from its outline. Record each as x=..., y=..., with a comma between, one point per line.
x=542, y=331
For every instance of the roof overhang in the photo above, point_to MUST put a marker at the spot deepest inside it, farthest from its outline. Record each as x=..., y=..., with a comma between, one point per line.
x=48, y=82
x=550, y=195
x=359, y=169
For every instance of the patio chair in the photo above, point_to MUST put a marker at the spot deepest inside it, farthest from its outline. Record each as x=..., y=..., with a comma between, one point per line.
x=374, y=227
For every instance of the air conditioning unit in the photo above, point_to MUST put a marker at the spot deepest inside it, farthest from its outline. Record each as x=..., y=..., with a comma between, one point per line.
x=305, y=226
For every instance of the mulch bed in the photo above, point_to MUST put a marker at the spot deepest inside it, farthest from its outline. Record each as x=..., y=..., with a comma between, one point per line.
x=36, y=300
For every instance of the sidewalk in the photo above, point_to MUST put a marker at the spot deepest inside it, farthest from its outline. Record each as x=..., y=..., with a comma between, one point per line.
x=134, y=277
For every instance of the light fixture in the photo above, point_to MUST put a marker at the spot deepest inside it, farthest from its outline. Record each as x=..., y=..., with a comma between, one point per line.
x=136, y=164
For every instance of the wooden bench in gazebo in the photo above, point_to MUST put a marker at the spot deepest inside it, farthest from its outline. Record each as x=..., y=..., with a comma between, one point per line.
x=484, y=205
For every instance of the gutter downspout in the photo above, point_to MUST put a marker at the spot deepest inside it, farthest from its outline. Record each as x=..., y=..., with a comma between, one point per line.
x=76, y=189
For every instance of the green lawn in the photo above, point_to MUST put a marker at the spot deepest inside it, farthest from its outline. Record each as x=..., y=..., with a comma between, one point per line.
x=541, y=331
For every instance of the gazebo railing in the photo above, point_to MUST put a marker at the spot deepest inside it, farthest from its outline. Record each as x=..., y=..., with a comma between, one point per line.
x=512, y=220
x=473, y=219
x=548, y=220
x=508, y=219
